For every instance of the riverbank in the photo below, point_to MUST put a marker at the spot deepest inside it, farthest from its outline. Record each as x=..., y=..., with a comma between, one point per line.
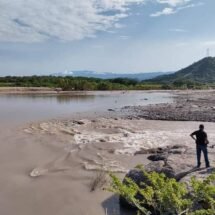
x=187, y=106
x=34, y=90
x=50, y=90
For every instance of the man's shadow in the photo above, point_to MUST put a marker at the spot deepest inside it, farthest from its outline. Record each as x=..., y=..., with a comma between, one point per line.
x=195, y=169
x=112, y=207
x=207, y=170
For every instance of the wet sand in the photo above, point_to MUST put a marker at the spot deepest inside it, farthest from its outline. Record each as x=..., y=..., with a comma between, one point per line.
x=48, y=167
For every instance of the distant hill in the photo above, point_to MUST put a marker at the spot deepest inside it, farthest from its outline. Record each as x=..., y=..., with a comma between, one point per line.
x=202, y=71
x=92, y=74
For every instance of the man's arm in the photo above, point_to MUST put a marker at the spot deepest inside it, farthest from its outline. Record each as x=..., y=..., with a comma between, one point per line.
x=193, y=135
x=206, y=139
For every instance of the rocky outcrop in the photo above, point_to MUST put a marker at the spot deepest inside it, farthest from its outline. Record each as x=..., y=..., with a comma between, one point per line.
x=175, y=162
x=163, y=151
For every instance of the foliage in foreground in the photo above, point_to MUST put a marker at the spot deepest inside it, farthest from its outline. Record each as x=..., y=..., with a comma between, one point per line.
x=165, y=196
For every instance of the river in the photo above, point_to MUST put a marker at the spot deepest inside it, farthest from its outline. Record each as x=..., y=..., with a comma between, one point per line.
x=30, y=107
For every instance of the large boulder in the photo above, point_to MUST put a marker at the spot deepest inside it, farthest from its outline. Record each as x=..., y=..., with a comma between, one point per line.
x=175, y=162
x=138, y=177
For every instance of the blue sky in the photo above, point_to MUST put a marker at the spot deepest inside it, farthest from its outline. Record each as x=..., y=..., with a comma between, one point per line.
x=122, y=36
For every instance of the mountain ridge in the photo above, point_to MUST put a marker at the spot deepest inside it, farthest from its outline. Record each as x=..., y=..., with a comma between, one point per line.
x=106, y=75
x=202, y=71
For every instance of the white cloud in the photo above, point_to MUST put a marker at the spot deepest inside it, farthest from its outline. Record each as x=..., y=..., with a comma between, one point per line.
x=173, y=3
x=209, y=43
x=177, y=5
x=66, y=20
x=178, y=30
x=165, y=11
x=124, y=37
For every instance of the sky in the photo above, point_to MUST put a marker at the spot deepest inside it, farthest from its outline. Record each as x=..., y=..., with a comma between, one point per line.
x=120, y=36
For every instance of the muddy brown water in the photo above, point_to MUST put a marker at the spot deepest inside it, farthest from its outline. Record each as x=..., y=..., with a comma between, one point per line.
x=64, y=185
x=31, y=107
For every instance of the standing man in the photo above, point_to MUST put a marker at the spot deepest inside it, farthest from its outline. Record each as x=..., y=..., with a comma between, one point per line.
x=201, y=139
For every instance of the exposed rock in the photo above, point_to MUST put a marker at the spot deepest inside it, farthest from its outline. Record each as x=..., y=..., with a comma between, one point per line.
x=177, y=146
x=79, y=122
x=199, y=108
x=138, y=177
x=157, y=157
x=175, y=162
x=161, y=167
x=175, y=149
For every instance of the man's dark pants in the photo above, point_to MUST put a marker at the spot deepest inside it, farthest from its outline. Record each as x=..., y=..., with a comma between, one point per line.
x=204, y=149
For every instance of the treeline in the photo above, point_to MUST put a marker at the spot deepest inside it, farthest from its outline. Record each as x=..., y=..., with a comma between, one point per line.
x=187, y=84
x=76, y=83
x=83, y=83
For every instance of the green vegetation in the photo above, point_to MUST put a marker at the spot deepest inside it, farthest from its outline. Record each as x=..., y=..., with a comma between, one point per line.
x=201, y=73
x=160, y=195
x=83, y=83
x=77, y=83
x=186, y=84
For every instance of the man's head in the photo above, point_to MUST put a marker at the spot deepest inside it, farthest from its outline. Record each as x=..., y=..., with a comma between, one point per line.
x=201, y=127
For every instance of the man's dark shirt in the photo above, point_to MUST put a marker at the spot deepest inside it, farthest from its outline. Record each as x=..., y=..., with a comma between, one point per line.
x=201, y=137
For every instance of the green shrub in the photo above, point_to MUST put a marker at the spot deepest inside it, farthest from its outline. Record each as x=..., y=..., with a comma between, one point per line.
x=161, y=195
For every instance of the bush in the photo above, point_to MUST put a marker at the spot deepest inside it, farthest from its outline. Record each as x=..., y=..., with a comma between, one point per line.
x=160, y=195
